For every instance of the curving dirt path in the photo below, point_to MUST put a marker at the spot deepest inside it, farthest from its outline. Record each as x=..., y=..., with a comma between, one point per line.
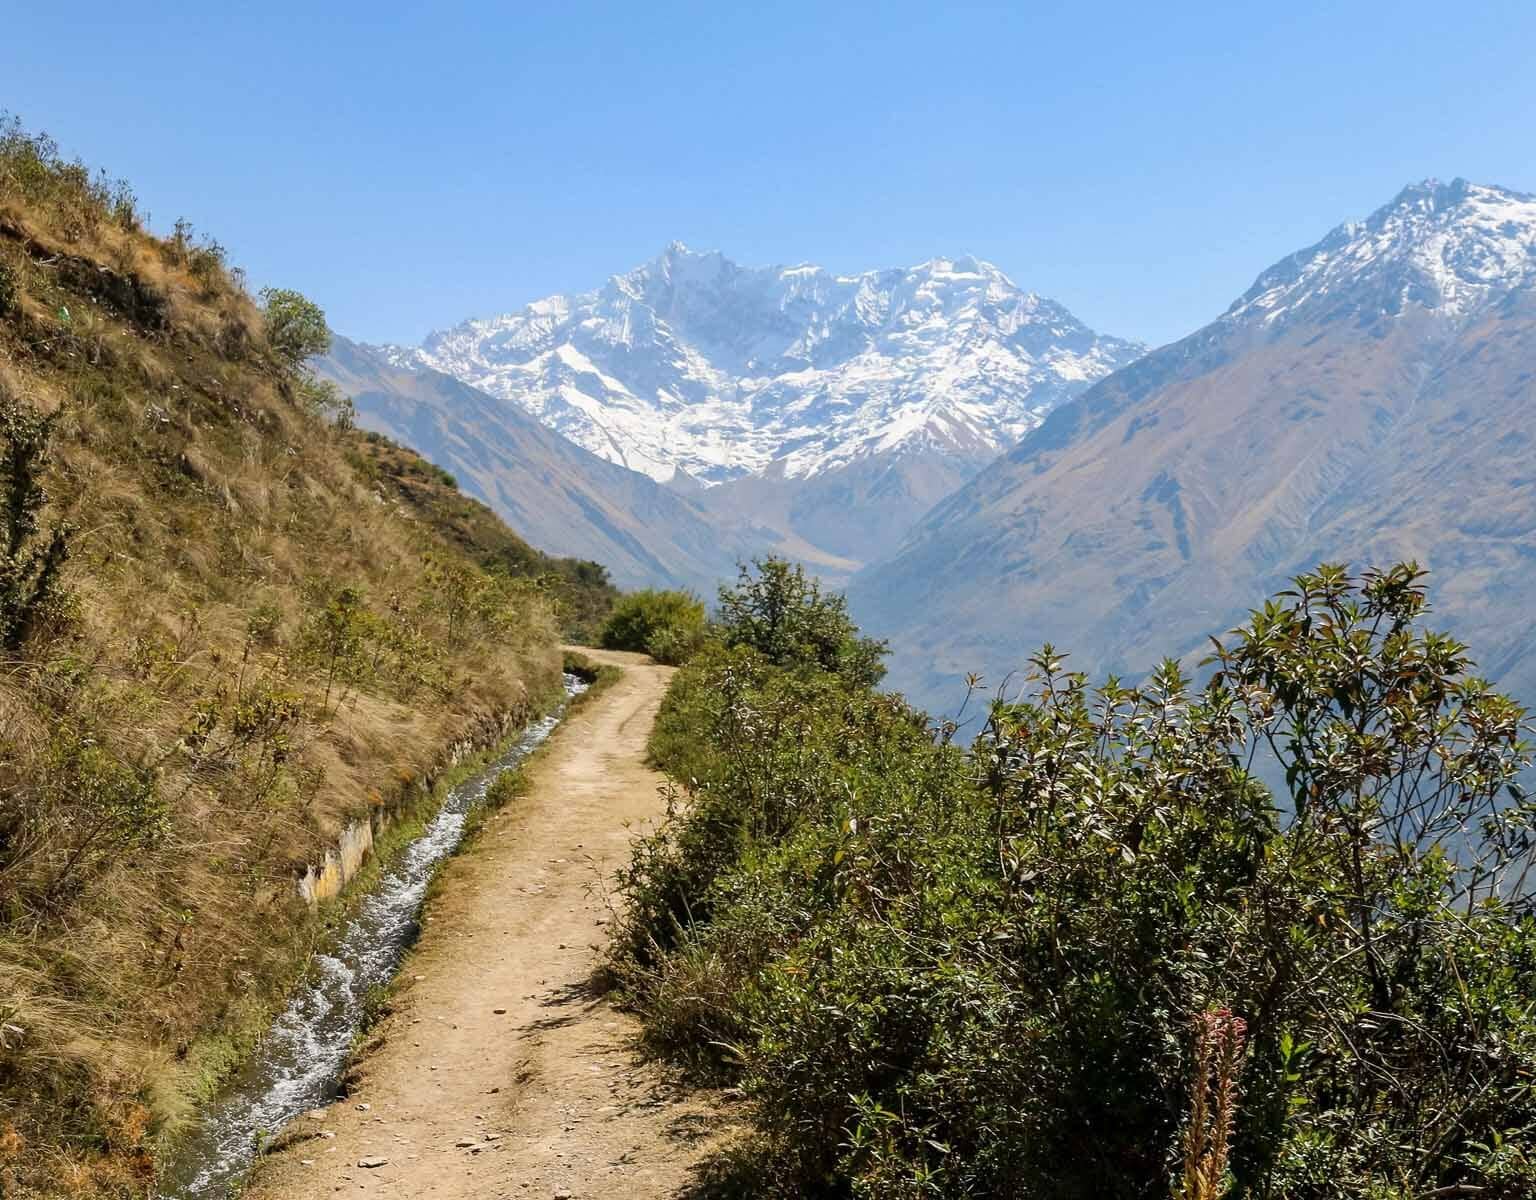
x=501, y=1073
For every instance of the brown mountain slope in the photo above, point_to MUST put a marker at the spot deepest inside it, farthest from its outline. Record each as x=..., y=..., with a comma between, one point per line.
x=1385, y=415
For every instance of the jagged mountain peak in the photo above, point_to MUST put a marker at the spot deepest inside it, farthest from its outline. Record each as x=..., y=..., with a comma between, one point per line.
x=1446, y=248
x=694, y=365
x=682, y=264
x=678, y=254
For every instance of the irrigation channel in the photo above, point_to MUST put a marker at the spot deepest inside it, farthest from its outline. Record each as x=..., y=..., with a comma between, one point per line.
x=300, y=1063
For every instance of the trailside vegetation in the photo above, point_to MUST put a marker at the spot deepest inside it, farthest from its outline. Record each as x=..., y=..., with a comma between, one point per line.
x=783, y=614
x=222, y=638
x=774, y=607
x=668, y=625
x=1268, y=935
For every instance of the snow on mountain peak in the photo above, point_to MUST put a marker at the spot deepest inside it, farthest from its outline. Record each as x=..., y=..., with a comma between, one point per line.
x=1444, y=247
x=692, y=363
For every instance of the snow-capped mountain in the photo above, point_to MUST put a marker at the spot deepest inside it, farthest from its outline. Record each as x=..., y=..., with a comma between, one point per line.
x=1369, y=399
x=1442, y=247
x=694, y=369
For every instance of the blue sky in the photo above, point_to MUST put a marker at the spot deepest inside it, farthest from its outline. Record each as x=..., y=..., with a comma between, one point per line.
x=409, y=165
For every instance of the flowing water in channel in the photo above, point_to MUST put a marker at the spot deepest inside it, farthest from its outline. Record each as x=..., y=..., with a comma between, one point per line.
x=299, y=1064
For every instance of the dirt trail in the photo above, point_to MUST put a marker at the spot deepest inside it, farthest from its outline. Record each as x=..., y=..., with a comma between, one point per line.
x=501, y=1074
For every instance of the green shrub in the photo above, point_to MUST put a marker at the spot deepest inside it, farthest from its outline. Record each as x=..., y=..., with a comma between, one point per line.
x=326, y=400
x=10, y=290
x=295, y=325
x=102, y=807
x=667, y=625
x=996, y=971
x=335, y=635
x=505, y=788
x=264, y=625
x=780, y=612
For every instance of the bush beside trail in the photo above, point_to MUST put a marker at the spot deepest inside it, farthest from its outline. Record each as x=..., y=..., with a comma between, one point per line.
x=774, y=607
x=1093, y=954
x=667, y=625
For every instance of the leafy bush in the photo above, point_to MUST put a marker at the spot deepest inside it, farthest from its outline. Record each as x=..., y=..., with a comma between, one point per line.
x=264, y=625
x=205, y=259
x=295, y=325
x=1072, y=959
x=667, y=625
x=780, y=612
x=96, y=806
x=10, y=290
x=326, y=400
x=335, y=635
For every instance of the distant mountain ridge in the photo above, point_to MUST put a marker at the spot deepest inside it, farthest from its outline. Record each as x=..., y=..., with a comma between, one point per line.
x=699, y=372
x=565, y=499
x=692, y=363
x=1369, y=398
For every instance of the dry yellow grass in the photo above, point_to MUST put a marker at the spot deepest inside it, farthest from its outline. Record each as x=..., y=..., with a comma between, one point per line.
x=215, y=517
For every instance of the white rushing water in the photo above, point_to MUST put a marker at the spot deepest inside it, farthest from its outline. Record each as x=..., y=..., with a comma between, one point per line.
x=299, y=1064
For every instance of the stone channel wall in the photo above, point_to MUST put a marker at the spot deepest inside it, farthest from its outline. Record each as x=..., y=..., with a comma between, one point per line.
x=330, y=876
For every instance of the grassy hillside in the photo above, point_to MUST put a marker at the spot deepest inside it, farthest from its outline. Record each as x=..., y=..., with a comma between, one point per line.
x=580, y=588
x=258, y=625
